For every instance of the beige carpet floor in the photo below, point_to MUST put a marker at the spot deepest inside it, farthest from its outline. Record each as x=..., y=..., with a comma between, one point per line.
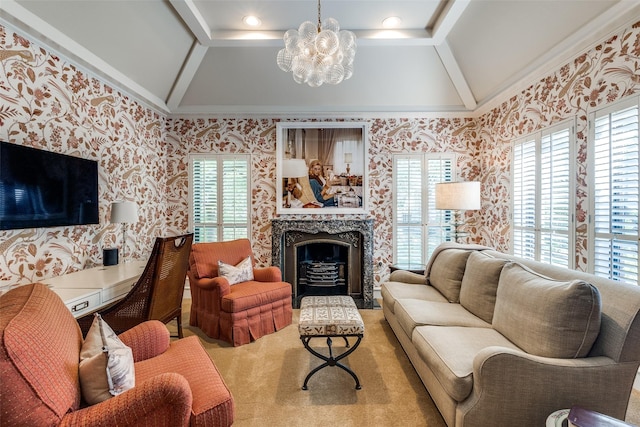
x=266, y=376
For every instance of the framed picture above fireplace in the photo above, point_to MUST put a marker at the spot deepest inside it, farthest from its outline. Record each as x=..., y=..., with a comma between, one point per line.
x=321, y=167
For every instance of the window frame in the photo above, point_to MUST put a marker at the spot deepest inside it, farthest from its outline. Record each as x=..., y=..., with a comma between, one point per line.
x=427, y=198
x=592, y=234
x=538, y=231
x=219, y=225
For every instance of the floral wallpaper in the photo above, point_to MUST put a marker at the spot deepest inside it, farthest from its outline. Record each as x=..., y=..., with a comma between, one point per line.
x=47, y=102
x=606, y=73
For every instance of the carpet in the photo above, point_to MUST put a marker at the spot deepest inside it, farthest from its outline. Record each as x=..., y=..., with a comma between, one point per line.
x=266, y=376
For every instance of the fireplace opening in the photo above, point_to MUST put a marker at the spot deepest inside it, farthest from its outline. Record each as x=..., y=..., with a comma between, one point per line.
x=322, y=269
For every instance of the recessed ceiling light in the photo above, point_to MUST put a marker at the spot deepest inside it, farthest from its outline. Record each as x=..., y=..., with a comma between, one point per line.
x=391, y=22
x=252, y=21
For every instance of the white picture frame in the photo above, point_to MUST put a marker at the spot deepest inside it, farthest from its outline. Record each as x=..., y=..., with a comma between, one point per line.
x=341, y=149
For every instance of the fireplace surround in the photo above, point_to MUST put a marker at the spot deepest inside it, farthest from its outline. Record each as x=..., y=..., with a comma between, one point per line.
x=325, y=257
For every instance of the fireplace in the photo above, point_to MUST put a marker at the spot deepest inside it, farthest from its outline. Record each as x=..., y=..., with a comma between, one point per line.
x=325, y=257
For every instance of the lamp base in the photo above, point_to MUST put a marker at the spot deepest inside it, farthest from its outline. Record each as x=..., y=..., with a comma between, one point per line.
x=109, y=256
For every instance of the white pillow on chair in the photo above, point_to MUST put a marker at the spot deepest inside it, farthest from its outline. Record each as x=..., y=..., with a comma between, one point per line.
x=243, y=272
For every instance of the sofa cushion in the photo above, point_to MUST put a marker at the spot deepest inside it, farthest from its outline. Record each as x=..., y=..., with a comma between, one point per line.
x=106, y=364
x=546, y=317
x=411, y=313
x=449, y=352
x=447, y=271
x=480, y=283
x=392, y=291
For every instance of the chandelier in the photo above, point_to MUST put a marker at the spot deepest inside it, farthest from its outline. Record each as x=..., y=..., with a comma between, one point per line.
x=318, y=54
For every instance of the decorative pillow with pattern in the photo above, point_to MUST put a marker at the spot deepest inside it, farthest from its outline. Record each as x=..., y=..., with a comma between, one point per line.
x=243, y=272
x=106, y=364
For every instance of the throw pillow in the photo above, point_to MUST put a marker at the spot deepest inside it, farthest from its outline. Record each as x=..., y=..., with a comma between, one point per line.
x=447, y=271
x=243, y=272
x=106, y=364
x=546, y=317
x=480, y=283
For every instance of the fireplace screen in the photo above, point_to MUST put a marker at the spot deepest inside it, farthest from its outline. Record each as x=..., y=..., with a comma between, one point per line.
x=322, y=269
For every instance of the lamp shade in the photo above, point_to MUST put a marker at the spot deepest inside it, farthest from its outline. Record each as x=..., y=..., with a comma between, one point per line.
x=124, y=212
x=294, y=168
x=348, y=157
x=458, y=195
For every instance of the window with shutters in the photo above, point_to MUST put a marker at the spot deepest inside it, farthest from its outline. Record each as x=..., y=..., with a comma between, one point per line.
x=614, y=154
x=418, y=227
x=219, y=199
x=543, y=196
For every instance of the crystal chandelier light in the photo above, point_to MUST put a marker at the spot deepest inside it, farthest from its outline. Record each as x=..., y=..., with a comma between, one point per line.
x=318, y=54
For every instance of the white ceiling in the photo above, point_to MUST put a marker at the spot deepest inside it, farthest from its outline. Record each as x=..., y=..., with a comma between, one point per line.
x=197, y=56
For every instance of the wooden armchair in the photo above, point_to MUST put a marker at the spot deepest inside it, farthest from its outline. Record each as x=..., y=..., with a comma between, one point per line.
x=157, y=295
x=242, y=312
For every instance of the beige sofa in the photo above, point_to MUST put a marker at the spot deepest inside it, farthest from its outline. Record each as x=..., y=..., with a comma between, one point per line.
x=499, y=340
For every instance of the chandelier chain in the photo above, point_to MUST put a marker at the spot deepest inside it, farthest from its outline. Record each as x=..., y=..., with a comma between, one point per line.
x=319, y=25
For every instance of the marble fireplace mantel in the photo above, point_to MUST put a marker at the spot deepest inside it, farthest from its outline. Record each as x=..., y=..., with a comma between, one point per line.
x=284, y=230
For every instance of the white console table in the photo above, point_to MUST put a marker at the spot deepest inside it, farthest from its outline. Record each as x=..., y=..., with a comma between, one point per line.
x=89, y=290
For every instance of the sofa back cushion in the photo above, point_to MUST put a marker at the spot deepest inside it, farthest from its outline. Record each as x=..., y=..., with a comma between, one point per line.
x=480, y=283
x=546, y=317
x=38, y=358
x=446, y=272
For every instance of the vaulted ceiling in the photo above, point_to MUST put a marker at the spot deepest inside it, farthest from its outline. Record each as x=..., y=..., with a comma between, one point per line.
x=197, y=56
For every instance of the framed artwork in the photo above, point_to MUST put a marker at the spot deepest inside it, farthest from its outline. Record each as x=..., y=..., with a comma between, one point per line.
x=321, y=167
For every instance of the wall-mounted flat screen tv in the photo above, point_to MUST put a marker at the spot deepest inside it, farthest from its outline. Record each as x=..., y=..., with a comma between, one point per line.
x=40, y=188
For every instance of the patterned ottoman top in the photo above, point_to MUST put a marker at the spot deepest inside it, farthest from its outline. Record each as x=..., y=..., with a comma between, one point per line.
x=329, y=315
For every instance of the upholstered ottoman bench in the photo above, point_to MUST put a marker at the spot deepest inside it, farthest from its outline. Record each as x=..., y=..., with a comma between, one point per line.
x=330, y=317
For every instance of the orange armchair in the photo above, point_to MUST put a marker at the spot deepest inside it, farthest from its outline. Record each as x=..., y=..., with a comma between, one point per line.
x=240, y=313
x=176, y=383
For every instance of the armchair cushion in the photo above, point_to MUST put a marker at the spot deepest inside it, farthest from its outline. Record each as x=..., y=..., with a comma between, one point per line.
x=106, y=364
x=242, y=272
x=207, y=255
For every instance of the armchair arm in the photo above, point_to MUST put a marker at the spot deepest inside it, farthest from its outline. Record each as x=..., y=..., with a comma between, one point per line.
x=405, y=276
x=210, y=284
x=147, y=340
x=512, y=385
x=164, y=400
x=267, y=274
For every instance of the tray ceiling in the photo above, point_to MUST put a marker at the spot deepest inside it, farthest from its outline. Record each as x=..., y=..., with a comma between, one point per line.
x=197, y=56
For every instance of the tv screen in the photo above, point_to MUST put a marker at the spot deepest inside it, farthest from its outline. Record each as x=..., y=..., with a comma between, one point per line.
x=43, y=189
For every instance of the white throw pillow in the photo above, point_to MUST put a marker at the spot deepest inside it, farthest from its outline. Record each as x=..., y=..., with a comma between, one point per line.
x=243, y=272
x=106, y=364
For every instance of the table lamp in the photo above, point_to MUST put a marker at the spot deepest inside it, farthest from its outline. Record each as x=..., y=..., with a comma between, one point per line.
x=348, y=158
x=293, y=168
x=124, y=213
x=458, y=196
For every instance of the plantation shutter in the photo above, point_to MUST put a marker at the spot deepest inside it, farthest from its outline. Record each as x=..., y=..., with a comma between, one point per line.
x=408, y=210
x=418, y=226
x=616, y=187
x=524, y=199
x=555, y=198
x=219, y=199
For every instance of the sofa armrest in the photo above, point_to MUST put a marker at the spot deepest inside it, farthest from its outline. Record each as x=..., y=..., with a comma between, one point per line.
x=512, y=385
x=164, y=400
x=267, y=274
x=405, y=276
x=147, y=340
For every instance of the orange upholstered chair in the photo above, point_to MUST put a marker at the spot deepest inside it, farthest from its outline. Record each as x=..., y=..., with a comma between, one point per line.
x=239, y=313
x=176, y=383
